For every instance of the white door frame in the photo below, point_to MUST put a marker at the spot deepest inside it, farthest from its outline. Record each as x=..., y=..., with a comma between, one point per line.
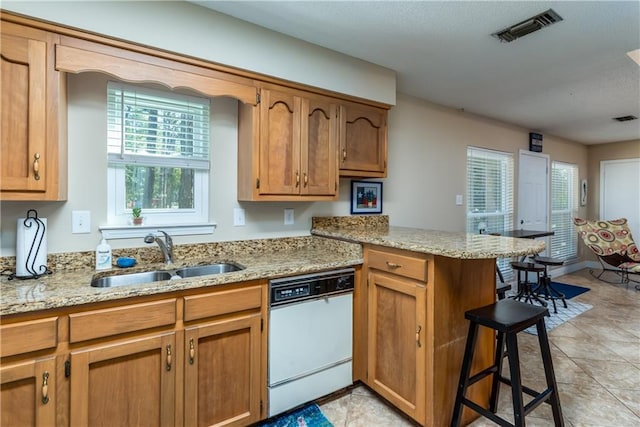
x=632, y=213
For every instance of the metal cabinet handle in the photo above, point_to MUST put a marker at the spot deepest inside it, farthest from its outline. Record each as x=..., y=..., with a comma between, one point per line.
x=169, y=358
x=393, y=265
x=45, y=387
x=192, y=352
x=36, y=167
x=418, y=336
x=297, y=179
x=306, y=179
x=344, y=155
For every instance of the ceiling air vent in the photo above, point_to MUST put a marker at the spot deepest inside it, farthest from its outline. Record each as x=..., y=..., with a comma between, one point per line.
x=528, y=26
x=625, y=118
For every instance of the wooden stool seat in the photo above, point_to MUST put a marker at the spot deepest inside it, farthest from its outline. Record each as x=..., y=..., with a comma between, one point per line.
x=507, y=317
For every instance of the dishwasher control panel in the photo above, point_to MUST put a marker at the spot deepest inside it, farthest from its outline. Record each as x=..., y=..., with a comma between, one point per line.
x=296, y=288
x=295, y=291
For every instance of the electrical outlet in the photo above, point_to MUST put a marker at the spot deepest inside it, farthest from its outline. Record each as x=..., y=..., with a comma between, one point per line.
x=80, y=222
x=288, y=216
x=238, y=217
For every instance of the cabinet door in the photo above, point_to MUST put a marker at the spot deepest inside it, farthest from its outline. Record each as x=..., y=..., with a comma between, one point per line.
x=396, y=337
x=24, y=127
x=363, y=141
x=222, y=372
x=27, y=396
x=319, y=147
x=130, y=383
x=279, y=143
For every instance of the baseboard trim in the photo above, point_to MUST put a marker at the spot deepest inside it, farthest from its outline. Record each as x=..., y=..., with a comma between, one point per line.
x=571, y=268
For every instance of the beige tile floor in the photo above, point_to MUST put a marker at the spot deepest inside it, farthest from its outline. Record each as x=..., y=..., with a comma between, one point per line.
x=596, y=358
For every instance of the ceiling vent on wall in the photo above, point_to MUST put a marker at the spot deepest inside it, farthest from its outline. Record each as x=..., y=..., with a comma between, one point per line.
x=625, y=118
x=528, y=26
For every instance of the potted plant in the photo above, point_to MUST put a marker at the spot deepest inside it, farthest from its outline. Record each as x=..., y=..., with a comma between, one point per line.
x=136, y=214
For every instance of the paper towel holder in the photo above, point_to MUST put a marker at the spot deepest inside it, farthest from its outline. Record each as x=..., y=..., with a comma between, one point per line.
x=36, y=245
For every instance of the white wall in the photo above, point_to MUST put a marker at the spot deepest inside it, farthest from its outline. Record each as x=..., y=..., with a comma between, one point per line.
x=428, y=154
x=88, y=182
x=203, y=33
x=426, y=169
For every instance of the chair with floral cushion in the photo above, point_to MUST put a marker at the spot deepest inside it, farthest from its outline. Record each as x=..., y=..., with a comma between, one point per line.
x=612, y=242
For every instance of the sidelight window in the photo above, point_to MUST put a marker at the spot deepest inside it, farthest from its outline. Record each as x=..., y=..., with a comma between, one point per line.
x=564, y=207
x=490, y=194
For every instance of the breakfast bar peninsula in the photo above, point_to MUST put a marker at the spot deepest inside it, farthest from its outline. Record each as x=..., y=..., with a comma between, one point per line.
x=409, y=325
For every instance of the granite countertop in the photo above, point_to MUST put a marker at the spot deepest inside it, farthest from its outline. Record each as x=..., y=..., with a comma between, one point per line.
x=444, y=243
x=69, y=285
x=263, y=259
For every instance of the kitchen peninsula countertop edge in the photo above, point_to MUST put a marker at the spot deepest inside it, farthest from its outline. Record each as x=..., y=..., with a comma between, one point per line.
x=444, y=243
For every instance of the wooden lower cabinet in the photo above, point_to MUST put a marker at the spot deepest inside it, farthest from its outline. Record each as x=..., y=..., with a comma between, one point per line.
x=28, y=396
x=416, y=330
x=222, y=372
x=125, y=383
x=396, y=366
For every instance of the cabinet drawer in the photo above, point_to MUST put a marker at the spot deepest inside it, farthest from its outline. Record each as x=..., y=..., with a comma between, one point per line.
x=402, y=265
x=119, y=320
x=222, y=302
x=28, y=336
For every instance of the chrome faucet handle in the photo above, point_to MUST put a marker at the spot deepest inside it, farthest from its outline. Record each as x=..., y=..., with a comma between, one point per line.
x=167, y=239
x=169, y=246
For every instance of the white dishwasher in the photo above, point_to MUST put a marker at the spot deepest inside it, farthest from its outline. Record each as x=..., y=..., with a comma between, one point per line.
x=310, y=337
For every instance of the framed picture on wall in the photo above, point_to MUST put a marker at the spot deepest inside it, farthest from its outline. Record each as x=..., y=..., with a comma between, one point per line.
x=366, y=197
x=583, y=192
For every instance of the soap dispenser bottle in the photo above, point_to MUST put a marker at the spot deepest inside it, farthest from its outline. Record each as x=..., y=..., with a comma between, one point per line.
x=103, y=255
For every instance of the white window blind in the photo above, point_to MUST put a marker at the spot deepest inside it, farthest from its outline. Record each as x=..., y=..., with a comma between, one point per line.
x=149, y=128
x=158, y=155
x=490, y=195
x=489, y=191
x=564, y=206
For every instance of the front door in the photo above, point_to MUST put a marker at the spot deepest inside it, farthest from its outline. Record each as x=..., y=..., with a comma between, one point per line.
x=533, y=191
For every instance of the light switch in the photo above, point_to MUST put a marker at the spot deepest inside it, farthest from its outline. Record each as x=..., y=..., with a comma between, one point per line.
x=238, y=217
x=459, y=199
x=80, y=222
x=288, y=216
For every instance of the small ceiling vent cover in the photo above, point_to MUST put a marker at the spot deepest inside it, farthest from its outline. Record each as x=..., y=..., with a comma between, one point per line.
x=528, y=26
x=625, y=118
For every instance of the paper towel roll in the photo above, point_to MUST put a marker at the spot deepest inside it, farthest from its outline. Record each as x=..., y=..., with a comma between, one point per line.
x=31, y=247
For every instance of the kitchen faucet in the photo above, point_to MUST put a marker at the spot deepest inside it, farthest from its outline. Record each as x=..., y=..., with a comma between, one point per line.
x=165, y=248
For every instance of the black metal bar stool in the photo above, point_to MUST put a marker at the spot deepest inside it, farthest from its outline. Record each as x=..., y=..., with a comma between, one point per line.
x=546, y=289
x=507, y=317
x=526, y=289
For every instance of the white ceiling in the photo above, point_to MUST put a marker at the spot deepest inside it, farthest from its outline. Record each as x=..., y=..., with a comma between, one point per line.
x=569, y=79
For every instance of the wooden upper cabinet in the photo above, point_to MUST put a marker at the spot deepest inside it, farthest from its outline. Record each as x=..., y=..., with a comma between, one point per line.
x=279, y=143
x=363, y=141
x=319, y=147
x=33, y=145
x=287, y=147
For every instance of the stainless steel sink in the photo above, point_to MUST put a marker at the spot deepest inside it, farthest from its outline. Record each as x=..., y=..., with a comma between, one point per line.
x=131, y=279
x=203, y=270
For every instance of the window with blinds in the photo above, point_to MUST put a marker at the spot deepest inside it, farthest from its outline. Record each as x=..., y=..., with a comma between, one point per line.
x=489, y=191
x=564, y=207
x=490, y=195
x=158, y=153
